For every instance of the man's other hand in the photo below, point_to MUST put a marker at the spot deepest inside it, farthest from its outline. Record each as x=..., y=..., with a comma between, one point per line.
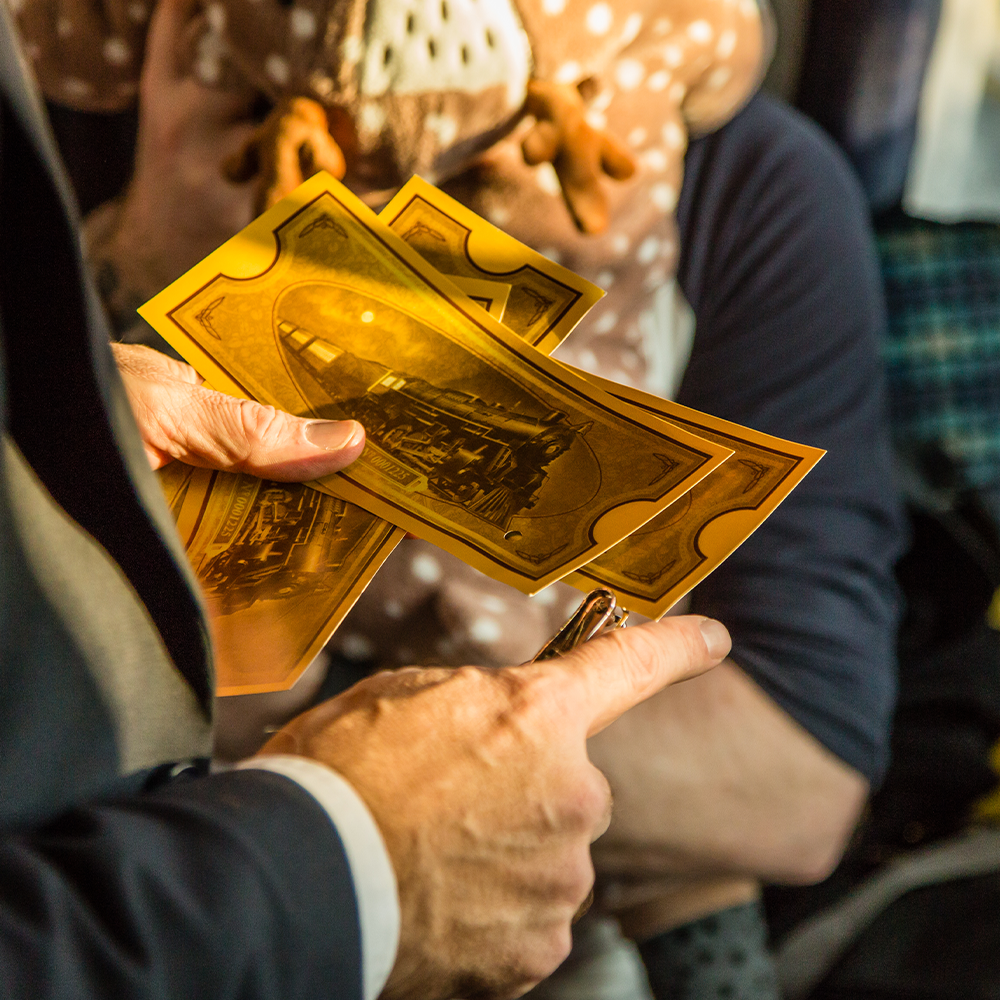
x=480, y=783
x=180, y=419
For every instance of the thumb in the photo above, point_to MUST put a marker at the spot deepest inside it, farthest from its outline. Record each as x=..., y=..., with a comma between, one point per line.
x=222, y=432
x=179, y=418
x=607, y=676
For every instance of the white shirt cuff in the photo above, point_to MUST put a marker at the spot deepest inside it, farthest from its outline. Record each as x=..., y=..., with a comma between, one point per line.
x=371, y=869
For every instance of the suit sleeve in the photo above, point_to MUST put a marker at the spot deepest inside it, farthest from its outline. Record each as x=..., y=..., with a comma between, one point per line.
x=232, y=885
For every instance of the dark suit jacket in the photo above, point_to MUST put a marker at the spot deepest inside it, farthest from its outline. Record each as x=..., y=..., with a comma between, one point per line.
x=123, y=873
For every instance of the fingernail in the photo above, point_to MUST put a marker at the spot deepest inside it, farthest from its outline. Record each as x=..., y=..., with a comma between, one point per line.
x=717, y=638
x=332, y=435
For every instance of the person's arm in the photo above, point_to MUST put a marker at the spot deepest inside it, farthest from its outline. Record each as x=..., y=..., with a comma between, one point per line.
x=763, y=767
x=228, y=885
x=237, y=884
x=716, y=788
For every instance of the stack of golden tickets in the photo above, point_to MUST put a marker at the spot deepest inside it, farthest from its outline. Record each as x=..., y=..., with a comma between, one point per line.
x=433, y=328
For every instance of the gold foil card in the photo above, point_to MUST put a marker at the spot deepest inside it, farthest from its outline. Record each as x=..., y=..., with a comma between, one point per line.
x=546, y=300
x=280, y=565
x=657, y=565
x=476, y=441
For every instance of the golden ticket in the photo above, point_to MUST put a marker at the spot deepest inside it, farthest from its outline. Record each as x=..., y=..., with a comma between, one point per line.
x=656, y=566
x=476, y=441
x=279, y=564
x=546, y=300
x=491, y=295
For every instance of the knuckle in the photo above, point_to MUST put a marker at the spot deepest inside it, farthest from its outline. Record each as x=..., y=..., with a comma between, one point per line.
x=586, y=802
x=261, y=426
x=546, y=951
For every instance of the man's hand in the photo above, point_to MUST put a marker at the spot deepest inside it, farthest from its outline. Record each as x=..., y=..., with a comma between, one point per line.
x=480, y=783
x=179, y=418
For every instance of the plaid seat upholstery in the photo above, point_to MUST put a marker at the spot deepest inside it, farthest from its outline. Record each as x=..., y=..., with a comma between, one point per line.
x=943, y=347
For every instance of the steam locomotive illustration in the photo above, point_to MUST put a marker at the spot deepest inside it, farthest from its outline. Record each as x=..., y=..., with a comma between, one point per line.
x=489, y=458
x=277, y=540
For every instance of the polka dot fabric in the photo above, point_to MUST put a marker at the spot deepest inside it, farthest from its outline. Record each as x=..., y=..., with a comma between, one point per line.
x=426, y=85
x=436, y=87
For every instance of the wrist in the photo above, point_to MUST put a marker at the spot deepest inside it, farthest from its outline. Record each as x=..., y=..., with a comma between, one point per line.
x=371, y=867
x=646, y=909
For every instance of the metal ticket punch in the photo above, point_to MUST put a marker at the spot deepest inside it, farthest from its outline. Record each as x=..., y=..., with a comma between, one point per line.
x=597, y=613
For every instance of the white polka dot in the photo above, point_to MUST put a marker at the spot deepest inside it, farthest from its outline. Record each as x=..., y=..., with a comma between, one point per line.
x=727, y=44
x=606, y=323
x=673, y=135
x=568, y=73
x=444, y=127
x=485, y=630
x=553, y=7
x=603, y=100
x=498, y=215
x=215, y=14
x=599, y=19
x=620, y=244
x=76, y=87
x=352, y=49
x=633, y=25
x=700, y=31
x=546, y=179
x=404, y=654
x=587, y=359
x=605, y=279
x=367, y=316
x=664, y=197
x=393, y=609
x=445, y=646
x=137, y=12
x=655, y=277
x=357, y=647
x=673, y=55
x=33, y=51
x=655, y=160
x=749, y=8
x=323, y=86
x=494, y=604
x=637, y=137
x=371, y=119
x=426, y=568
x=662, y=25
x=64, y=27
x=545, y=597
x=648, y=249
x=277, y=68
x=658, y=81
x=552, y=253
x=719, y=77
x=116, y=52
x=677, y=91
x=302, y=23
x=629, y=73
x=596, y=119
